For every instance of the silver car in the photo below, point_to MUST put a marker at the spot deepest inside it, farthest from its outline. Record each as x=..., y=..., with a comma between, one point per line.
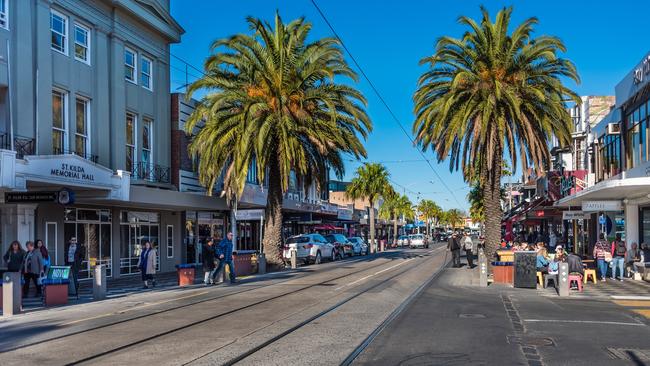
x=417, y=241
x=359, y=247
x=403, y=240
x=310, y=248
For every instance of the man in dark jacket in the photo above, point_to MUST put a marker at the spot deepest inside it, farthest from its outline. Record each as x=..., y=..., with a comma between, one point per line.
x=75, y=254
x=224, y=254
x=208, y=261
x=454, y=246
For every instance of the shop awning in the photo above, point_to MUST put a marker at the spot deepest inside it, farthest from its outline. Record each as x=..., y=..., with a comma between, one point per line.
x=613, y=189
x=327, y=227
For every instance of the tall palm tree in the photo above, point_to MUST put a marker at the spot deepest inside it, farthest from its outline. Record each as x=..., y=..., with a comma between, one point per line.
x=454, y=217
x=394, y=207
x=429, y=210
x=277, y=99
x=492, y=92
x=475, y=198
x=371, y=183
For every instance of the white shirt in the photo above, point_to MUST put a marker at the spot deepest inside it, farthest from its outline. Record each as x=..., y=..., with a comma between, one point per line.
x=71, y=250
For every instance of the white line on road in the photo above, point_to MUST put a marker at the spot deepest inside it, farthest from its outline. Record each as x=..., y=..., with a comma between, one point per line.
x=582, y=322
x=630, y=297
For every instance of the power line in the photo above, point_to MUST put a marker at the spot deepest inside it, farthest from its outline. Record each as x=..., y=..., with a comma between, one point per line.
x=381, y=98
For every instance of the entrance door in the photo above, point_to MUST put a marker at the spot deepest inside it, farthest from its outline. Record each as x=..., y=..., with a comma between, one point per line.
x=96, y=238
x=136, y=235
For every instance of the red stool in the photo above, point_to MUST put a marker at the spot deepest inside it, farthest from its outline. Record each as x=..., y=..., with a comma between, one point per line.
x=576, y=278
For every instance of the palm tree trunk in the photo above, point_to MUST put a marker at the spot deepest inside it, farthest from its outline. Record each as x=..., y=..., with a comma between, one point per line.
x=395, y=230
x=492, y=206
x=272, y=241
x=373, y=246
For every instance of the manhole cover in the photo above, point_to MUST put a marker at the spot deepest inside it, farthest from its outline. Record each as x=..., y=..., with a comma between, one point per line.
x=630, y=354
x=531, y=341
x=471, y=316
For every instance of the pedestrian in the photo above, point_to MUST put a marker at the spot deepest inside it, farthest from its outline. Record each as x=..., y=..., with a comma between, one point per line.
x=224, y=254
x=602, y=255
x=454, y=246
x=44, y=253
x=32, y=269
x=619, y=249
x=468, y=246
x=208, y=261
x=75, y=255
x=147, y=264
x=14, y=258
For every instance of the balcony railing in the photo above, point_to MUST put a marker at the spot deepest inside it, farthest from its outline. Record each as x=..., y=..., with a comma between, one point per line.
x=22, y=145
x=151, y=173
x=91, y=157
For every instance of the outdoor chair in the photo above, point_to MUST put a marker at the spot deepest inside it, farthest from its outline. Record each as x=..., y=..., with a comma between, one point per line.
x=550, y=277
x=577, y=279
x=590, y=273
x=540, y=278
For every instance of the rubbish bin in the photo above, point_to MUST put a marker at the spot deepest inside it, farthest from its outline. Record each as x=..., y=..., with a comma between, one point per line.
x=503, y=272
x=186, y=274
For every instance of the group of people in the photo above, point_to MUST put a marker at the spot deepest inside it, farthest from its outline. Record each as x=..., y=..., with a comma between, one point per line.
x=461, y=241
x=216, y=258
x=551, y=264
x=617, y=256
x=32, y=263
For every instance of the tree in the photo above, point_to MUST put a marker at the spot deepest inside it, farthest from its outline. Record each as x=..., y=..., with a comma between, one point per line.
x=275, y=103
x=475, y=198
x=489, y=93
x=454, y=218
x=371, y=183
x=394, y=207
x=429, y=210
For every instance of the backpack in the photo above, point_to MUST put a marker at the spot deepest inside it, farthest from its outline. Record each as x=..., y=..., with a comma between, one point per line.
x=620, y=248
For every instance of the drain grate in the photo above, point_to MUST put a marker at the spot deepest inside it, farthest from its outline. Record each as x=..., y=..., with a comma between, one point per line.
x=531, y=341
x=630, y=354
x=472, y=316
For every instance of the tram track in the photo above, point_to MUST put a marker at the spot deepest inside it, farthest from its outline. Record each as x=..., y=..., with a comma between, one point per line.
x=188, y=306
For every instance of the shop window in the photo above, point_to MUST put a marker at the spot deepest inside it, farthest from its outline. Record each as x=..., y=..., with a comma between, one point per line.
x=170, y=241
x=87, y=215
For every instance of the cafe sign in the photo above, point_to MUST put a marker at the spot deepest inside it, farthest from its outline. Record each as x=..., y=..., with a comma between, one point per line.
x=566, y=185
x=602, y=206
x=573, y=215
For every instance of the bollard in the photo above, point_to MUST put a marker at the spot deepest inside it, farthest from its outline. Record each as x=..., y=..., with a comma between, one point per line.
x=563, y=279
x=294, y=260
x=261, y=264
x=12, y=295
x=483, y=275
x=99, y=282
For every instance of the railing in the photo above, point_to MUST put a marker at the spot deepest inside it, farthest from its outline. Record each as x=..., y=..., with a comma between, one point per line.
x=88, y=268
x=129, y=265
x=151, y=173
x=91, y=157
x=22, y=145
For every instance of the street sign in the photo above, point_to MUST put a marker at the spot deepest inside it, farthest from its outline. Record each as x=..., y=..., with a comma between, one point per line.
x=573, y=215
x=602, y=220
x=602, y=206
x=31, y=197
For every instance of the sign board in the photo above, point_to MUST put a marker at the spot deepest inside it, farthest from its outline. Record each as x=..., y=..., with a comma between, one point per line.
x=602, y=206
x=602, y=220
x=573, y=215
x=244, y=215
x=525, y=275
x=58, y=273
x=31, y=197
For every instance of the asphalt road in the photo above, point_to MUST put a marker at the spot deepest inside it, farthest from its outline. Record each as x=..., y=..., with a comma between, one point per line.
x=317, y=315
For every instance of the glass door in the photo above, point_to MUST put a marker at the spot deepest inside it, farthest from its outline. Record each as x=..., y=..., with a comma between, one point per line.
x=92, y=229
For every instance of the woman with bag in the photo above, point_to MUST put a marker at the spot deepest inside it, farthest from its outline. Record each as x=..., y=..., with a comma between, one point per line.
x=208, y=261
x=44, y=253
x=147, y=264
x=14, y=257
x=32, y=269
x=603, y=256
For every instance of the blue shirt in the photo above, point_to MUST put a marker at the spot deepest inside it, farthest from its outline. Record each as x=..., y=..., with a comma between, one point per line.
x=541, y=261
x=225, y=248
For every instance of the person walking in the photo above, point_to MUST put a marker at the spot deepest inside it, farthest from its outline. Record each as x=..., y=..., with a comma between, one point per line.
x=44, y=253
x=619, y=249
x=32, y=269
x=454, y=246
x=147, y=264
x=208, y=261
x=601, y=255
x=468, y=246
x=14, y=257
x=75, y=255
x=224, y=254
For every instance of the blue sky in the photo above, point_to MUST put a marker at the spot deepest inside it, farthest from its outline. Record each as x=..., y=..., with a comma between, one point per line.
x=605, y=39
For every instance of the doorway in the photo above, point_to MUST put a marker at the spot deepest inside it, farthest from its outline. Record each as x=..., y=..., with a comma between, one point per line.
x=92, y=228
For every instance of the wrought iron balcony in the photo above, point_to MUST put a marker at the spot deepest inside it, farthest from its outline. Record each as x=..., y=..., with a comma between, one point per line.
x=151, y=173
x=21, y=145
x=91, y=157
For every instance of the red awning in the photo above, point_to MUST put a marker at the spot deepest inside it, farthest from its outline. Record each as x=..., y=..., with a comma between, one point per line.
x=327, y=227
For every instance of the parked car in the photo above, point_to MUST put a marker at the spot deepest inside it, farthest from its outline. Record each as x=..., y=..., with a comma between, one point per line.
x=403, y=240
x=417, y=241
x=359, y=246
x=310, y=248
x=341, y=244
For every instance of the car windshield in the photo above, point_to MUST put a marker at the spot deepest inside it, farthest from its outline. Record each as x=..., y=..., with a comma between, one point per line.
x=417, y=237
x=298, y=239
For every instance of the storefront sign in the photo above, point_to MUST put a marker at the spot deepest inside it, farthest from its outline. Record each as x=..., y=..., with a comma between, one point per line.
x=30, y=197
x=566, y=185
x=602, y=206
x=72, y=171
x=641, y=71
x=344, y=214
x=539, y=213
x=244, y=215
x=573, y=215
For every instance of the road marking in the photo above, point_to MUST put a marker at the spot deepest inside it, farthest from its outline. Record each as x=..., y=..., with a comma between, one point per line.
x=644, y=312
x=630, y=297
x=639, y=324
x=633, y=303
x=131, y=309
x=374, y=274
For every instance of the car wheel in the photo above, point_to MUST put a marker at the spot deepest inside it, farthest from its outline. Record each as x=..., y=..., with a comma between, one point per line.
x=333, y=256
x=318, y=259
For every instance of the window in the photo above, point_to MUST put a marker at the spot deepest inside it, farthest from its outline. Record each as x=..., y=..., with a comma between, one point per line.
x=170, y=241
x=4, y=14
x=59, y=122
x=145, y=78
x=147, y=143
x=82, y=127
x=130, y=65
x=130, y=141
x=81, y=43
x=59, y=31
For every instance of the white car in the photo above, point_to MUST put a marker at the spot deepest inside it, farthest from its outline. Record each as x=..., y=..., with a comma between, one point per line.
x=310, y=248
x=359, y=247
x=417, y=241
x=403, y=240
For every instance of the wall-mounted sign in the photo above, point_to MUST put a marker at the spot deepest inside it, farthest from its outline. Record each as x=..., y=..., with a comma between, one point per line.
x=566, y=184
x=243, y=215
x=72, y=171
x=539, y=213
x=602, y=206
x=573, y=215
x=641, y=71
x=31, y=197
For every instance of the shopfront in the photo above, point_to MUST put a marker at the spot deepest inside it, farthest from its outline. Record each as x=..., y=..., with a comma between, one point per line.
x=249, y=229
x=93, y=228
x=200, y=225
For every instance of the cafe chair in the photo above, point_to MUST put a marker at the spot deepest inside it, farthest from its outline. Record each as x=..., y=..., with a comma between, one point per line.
x=590, y=273
x=577, y=279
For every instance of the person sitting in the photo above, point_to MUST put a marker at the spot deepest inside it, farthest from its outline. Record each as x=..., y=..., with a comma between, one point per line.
x=560, y=254
x=632, y=256
x=542, y=260
x=553, y=267
x=643, y=265
x=575, y=268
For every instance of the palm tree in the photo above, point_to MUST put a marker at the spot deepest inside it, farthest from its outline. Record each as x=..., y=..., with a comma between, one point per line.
x=394, y=207
x=454, y=217
x=371, y=183
x=275, y=103
x=429, y=210
x=475, y=198
x=491, y=92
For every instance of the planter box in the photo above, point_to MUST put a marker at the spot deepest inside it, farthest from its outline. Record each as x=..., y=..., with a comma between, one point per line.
x=243, y=263
x=503, y=272
x=186, y=273
x=55, y=292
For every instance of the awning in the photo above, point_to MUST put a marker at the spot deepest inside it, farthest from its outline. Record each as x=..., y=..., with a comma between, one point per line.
x=612, y=189
x=327, y=227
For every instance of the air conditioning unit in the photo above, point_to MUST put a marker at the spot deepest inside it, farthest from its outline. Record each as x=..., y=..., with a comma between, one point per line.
x=613, y=129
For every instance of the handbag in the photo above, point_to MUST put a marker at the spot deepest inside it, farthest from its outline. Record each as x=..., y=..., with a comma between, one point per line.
x=608, y=257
